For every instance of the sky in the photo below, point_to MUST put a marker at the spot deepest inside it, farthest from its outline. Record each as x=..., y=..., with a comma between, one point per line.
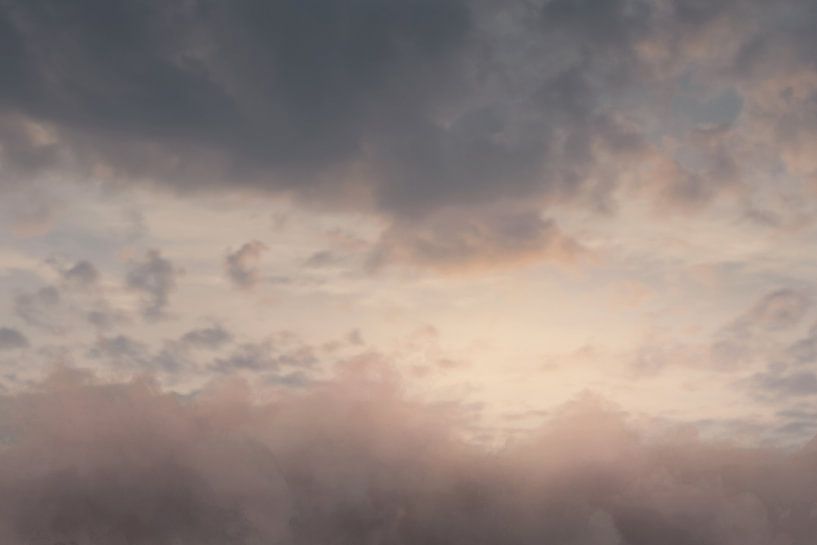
x=547, y=259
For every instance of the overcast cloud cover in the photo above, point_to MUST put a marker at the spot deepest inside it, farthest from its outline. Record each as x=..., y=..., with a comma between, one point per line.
x=417, y=108
x=408, y=271
x=408, y=106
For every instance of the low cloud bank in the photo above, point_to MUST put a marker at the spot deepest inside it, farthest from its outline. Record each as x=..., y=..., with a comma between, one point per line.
x=356, y=462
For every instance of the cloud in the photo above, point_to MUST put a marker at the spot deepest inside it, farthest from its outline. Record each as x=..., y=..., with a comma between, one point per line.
x=322, y=259
x=154, y=277
x=11, y=339
x=199, y=354
x=273, y=358
x=207, y=337
x=265, y=94
x=757, y=332
x=242, y=265
x=777, y=310
x=766, y=333
x=77, y=292
x=122, y=352
x=249, y=357
x=81, y=274
x=39, y=308
x=803, y=350
x=354, y=461
x=404, y=110
x=456, y=241
x=33, y=217
x=412, y=105
x=127, y=354
x=779, y=384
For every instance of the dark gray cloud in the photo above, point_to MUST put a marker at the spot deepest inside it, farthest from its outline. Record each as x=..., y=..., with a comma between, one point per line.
x=126, y=355
x=268, y=92
x=468, y=240
x=211, y=337
x=11, y=339
x=429, y=102
x=122, y=352
x=410, y=107
x=281, y=358
x=353, y=461
x=77, y=292
x=39, y=308
x=247, y=357
x=267, y=357
x=171, y=356
x=321, y=259
x=242, y=266
x=82, y=273
x=782, y=384
x=154, y=277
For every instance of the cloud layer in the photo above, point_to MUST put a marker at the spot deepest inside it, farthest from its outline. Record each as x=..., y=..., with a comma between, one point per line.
x=354, y=461
x=148, y=147
x=418, y=109
x=420, y=103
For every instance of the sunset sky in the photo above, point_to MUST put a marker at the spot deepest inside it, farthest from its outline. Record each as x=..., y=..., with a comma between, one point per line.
x=498, y=207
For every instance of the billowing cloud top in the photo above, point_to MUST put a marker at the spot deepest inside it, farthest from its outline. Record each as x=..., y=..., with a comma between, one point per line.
x=356, y=462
